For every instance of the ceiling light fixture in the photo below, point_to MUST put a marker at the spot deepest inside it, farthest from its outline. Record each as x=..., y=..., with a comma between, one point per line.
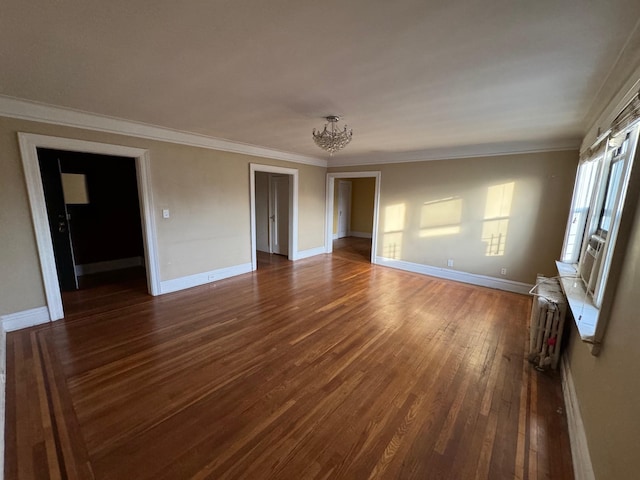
x=333, y=139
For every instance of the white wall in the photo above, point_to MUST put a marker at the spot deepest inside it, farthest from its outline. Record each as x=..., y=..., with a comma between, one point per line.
x=262, y=211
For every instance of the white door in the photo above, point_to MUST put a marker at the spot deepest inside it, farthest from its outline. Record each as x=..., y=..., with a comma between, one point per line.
x=344, y=208
x=279, y=214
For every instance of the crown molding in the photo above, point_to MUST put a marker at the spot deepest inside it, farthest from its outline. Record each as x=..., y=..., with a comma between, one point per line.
x=40, y=112
x=624, y=95
x=624, y=69
x=451, y=153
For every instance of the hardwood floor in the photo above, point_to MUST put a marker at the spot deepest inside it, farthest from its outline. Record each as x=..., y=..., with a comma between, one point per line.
x=353, y=248
x=324, y=368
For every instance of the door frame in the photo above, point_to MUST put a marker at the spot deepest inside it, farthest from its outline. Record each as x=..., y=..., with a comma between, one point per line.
x=29, y=143
x=331, y=177
x=293, y=208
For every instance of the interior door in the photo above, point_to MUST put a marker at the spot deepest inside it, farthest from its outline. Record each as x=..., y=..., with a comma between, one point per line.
x=58, y=219
x=279, y=214
x=344, y=208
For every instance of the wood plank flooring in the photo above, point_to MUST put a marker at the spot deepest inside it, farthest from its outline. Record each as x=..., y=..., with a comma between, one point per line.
x=326, y=368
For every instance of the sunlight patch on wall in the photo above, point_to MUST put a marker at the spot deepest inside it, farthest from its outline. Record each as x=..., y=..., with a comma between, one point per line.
x=441, y=217
x=394, y=219
x=494, y=233
x=496, y=218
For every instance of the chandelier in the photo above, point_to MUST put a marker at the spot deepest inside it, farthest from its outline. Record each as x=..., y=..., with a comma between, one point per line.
x=332, y=139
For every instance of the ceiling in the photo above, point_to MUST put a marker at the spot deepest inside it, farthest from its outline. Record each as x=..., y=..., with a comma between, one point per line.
x=411, y=77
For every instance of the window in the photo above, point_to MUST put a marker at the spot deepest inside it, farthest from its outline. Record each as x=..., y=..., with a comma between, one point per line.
x=585, y=179
x=596, y=210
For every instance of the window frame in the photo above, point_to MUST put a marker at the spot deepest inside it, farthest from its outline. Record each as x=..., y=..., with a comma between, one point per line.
x=595, y=305
x=585, y=181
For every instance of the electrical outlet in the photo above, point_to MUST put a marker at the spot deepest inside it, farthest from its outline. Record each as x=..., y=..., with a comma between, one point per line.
x=503, y=271
x=165, y=213
x=450, y=262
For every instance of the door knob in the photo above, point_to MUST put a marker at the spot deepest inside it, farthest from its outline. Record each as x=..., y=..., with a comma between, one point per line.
x=62, y=223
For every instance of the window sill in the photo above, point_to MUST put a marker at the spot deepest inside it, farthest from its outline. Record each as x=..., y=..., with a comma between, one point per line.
x=585, y=313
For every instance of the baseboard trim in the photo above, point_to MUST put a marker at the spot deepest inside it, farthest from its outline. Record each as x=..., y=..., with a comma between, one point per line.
x=334, y=236
x=312, y=252
x=25, y=319
x=182, y=283
x=109, y=265
x=582, y=466
x=458, y=276
x=3, y=389
x=360, y=234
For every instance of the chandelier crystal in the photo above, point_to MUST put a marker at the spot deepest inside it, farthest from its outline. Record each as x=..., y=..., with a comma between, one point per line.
x=332, y=139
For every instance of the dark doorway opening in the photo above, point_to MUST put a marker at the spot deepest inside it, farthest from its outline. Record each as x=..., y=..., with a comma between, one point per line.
x=93, y=210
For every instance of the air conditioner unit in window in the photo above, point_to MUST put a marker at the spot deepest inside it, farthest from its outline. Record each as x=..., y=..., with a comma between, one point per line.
x=590, y=263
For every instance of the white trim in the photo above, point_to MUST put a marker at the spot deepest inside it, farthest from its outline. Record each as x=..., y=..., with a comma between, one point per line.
x=149, y=231
x=452, y=153
x=39, y=112
x=329, y=209
x=615, y=91
x=458, y=276
x=585, y=313
x=293, y=207
x=312, y=252
x=181, y=283
x=108, y=265
x=582, y=466
x=360, y=234
x=28, y=144
x=3, y=389
x=334, y=236
x=24, y=319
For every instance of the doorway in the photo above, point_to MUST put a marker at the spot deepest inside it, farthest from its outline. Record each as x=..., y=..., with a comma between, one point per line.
x=93, y=209
x=29, y=143
x=352, y=213
x=274, y=214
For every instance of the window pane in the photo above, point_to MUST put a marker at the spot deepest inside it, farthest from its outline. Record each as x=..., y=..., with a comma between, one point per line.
x=615, y=176
x=579, y=211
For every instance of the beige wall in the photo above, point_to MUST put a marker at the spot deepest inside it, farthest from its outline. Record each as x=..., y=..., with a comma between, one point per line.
x=362, y=200
x=438, y=210
x=335, y=205
x=312, y=204
x=262, y=211
x=608, y=386
x=20, y=280
x=207, y=192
